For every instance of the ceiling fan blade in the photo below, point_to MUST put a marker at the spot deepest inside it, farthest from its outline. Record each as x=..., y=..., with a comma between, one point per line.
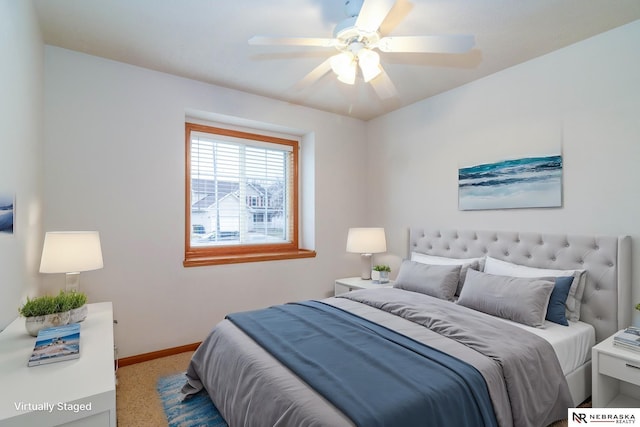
x=383, y=86
x=314, y=75
x=292, y=41
x=398, y=12
x=372, y=14
x=455, y=43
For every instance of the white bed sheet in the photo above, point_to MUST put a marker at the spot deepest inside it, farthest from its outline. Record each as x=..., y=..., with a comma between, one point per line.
x=572, y=343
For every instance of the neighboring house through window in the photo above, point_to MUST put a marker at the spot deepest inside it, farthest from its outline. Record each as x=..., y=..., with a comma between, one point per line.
x=242, y=197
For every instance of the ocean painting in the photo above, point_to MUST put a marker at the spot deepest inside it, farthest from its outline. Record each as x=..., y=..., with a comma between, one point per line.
x=6, y=213
x=531, y=182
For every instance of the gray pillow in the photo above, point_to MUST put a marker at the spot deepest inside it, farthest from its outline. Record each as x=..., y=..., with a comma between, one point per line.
x=574, y=300
x=438, y=281
x=465, y=263
x=523, y=300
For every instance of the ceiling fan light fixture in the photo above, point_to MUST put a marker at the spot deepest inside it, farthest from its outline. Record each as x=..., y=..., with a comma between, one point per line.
x=349, y=76
x=344, y=65
x=340, y=62
x=369, y=62
x=370, y=72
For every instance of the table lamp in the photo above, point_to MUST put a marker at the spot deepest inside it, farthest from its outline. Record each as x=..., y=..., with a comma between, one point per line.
x=71, y=252
x=366, y=242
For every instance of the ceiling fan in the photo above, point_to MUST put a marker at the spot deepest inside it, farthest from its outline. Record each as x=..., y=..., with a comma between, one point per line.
x=358, y=37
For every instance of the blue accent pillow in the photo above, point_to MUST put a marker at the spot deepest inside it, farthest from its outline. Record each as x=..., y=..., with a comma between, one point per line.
x=556, y=308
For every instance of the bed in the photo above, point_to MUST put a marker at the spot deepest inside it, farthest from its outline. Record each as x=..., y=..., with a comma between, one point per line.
x=252, y=387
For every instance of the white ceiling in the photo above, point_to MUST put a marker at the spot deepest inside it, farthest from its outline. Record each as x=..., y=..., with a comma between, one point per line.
x=206, y=40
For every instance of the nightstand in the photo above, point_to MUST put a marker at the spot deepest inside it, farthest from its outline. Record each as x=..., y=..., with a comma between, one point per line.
x=615, y=376
x=348, y=284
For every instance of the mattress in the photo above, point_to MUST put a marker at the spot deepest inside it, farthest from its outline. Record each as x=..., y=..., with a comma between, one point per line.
x=572, y=344
x=241, y=378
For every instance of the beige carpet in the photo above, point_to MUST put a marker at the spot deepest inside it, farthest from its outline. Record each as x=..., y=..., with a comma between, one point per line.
x=137, y=401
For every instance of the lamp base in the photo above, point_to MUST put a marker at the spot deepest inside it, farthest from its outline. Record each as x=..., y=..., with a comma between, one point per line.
x=366, y=260
x=73, y=281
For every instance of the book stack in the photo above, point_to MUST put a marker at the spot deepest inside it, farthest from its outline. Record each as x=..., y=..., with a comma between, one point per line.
x=628, y=338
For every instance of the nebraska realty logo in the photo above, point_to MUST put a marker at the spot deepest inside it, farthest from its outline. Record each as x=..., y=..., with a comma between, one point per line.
x=602, y=416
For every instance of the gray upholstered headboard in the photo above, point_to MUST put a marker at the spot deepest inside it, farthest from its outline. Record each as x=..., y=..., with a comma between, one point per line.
x=607, y=297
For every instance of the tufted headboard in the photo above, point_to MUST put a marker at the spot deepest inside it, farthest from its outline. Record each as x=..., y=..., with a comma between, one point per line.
x=606, y=302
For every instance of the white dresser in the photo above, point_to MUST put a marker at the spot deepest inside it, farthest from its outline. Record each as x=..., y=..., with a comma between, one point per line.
x=79, y=392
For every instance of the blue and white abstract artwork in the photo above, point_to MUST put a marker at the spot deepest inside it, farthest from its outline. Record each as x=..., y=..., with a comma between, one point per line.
x=6, y=213
x=531, y=182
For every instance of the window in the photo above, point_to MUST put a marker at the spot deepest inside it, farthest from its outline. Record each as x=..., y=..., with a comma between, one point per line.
x=241, y=197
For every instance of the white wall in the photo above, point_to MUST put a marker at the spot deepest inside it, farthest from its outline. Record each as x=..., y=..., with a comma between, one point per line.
x=21, y=77
x=114, y=162
x=584, y=99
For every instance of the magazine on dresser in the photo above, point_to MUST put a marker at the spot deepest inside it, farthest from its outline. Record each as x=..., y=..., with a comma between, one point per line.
x=56, y=344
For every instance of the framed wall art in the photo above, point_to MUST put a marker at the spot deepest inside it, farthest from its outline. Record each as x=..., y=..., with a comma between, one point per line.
x=528, y=182
x=6, y=213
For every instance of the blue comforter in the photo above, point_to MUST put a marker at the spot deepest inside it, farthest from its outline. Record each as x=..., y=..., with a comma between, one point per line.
x=375, y=376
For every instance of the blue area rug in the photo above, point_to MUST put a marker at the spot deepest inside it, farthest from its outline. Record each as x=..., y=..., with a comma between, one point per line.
x=195, y=411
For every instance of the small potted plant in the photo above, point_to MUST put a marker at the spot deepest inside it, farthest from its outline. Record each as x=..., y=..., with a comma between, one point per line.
x=380, y=273
x=75, y=303
x=48, y=311
x=43, y=312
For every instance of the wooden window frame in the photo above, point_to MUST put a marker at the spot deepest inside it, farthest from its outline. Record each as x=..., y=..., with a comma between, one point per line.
x=230, y=254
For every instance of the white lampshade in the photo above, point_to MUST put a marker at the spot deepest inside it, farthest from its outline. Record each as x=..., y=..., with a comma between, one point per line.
x=366, y=240
x=71, y=252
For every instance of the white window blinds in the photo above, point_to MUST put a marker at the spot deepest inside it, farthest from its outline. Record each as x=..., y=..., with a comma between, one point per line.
x=240, y=190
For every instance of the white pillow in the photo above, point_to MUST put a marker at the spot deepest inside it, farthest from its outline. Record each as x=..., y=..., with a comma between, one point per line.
x=465, y=263
x=574, y=300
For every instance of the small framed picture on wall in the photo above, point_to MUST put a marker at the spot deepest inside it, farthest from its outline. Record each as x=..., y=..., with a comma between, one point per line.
x=7, y=207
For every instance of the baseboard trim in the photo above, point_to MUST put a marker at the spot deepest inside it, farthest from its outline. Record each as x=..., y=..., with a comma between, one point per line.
x=131, y=360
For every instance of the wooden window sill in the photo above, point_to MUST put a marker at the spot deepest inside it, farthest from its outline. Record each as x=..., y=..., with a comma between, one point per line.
x=197, y=261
